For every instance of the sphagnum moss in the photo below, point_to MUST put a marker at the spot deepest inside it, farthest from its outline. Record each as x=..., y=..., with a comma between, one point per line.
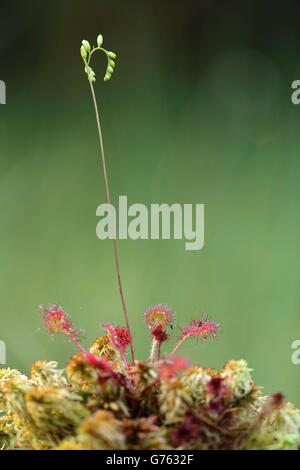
x=102, y=408
x=108, y=402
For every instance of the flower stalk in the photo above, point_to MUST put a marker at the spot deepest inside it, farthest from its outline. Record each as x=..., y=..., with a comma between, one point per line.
x=153, y=349
x=86, y=54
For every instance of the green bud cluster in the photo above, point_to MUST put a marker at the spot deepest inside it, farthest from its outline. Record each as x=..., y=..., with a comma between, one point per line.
x=86, y=53
x=110, y=65
x=83, y=53
x=90, y=73
x=86, y=45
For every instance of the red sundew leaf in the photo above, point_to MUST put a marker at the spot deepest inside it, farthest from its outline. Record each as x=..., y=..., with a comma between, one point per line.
x=200, y=327
x=159, y=315
x=120, y=336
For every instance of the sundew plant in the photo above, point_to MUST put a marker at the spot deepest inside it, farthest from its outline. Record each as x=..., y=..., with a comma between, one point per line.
x=105, y=398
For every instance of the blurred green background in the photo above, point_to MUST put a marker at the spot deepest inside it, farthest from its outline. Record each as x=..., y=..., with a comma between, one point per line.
x=198, y=111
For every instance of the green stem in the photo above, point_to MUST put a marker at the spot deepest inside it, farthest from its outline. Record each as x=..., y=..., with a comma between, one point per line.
x=110, y=215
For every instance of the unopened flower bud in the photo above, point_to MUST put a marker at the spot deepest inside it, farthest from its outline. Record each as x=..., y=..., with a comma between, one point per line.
x=83, y=53
x=100, y=40
x=86, y=45
x=111, y=55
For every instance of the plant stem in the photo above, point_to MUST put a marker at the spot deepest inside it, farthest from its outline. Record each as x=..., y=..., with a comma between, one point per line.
x=110, y=215
x=152, y=384
x=153, y=349
x=126, y=364
x=78, y=345
x=178, y=345
x=158, y=351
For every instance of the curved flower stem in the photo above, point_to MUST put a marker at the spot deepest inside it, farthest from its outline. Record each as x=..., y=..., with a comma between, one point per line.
x=153, y=349
x=110, y=216
x=178, y=345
